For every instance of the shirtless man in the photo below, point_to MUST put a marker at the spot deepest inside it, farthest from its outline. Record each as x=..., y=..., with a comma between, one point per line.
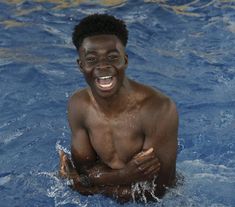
x=123, y=132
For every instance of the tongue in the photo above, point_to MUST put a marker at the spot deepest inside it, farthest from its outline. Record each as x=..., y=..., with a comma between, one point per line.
x=105, y=81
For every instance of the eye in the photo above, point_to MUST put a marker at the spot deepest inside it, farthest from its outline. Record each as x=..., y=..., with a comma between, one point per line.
x=113, y=57
x=90, y=59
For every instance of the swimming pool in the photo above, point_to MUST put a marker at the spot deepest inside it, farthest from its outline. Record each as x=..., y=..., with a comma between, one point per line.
x=185, y=48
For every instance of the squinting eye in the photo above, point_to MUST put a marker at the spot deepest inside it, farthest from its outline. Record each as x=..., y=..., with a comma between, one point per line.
x=90, y=59
x=113, y=57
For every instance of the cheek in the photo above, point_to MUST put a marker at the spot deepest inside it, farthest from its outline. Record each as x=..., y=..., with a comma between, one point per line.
x=88, y=74
x=89, y=80
x=120, y=65
x=121, y=74
x=87, y=68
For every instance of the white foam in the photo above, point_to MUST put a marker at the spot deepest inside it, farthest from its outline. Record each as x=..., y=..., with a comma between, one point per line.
x=59, y=147
x=5, y=139
x=5, y=179
x=60, y=191
x=141, y=188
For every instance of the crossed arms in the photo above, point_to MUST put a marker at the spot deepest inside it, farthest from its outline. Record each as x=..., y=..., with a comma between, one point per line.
x=158, y=157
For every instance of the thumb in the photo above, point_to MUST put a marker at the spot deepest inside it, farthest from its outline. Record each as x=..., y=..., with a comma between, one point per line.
x=143, y=153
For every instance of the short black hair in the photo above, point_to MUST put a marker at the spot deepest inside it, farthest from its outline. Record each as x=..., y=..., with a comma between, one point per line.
x=98, y=24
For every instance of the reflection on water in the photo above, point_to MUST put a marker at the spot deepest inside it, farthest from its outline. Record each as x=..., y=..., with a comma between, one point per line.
x=12, y=23
x=193, y=8
x=24, y=12
x=179, y=8
x=62, y=4
x=189, y=8
x=20, y=55
x=183, y=47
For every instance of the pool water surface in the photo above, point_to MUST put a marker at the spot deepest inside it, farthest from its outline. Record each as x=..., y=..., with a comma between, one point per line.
x=185, y=48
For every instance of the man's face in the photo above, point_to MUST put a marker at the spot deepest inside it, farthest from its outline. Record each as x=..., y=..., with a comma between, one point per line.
x=103, y=62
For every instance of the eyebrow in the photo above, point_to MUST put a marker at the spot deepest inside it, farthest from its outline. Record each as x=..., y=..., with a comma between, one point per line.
x=113, y=50
x=90, y=52
x=94, y=52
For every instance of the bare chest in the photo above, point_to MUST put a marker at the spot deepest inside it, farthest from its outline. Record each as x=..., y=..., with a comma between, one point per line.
x=115, y=139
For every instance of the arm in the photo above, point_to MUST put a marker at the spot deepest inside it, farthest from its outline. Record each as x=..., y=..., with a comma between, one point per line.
x=122, y=193
x=161, y=134
x=67, y=170
x=141, y=167
x=85, y=158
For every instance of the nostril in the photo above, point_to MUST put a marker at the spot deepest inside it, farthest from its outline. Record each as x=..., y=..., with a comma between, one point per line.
x=103, y=67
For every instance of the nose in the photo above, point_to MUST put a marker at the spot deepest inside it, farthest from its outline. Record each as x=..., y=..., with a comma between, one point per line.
x=103, y=64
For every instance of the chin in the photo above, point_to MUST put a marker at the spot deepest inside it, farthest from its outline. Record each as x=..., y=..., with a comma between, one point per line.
x=106, y=94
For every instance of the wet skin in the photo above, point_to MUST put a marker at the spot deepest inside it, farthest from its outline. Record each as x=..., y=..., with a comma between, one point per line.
x=123, y=132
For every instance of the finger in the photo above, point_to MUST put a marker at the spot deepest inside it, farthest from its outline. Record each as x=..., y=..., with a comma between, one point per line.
x=62, y=170
x=154, y=174
x=149, y=151
x=145, y=158
x=154, y=163
x=68, y=164
x=61, y=154
x=62, y=160
x=141, y=160
x=153, y=170
x=143, y=153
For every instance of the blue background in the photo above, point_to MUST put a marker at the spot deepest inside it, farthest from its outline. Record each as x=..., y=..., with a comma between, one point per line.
x=184, y=48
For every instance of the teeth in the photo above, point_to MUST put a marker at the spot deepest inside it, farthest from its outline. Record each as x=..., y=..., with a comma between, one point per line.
x=105, y=81
x=106, y=85
x=105, y=77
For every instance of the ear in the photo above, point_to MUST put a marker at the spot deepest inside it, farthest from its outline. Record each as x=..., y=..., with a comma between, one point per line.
x=126, y=59
x=80, y=65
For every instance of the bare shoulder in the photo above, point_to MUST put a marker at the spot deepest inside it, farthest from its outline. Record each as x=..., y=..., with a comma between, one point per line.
x=77, y=106
x=153, y=98
x=159, y=122
x=79, y=99
x=156, y=106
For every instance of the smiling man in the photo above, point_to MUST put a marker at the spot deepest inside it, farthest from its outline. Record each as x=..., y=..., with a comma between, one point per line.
x=123, y=132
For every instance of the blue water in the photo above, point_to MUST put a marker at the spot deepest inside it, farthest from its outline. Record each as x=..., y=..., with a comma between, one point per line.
x=184, y=48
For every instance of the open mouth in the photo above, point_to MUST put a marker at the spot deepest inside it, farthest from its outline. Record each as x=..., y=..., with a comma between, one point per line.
x=105, y=82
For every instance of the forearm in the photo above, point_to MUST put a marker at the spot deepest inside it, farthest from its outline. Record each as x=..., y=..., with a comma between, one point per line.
x=142, y=191
x=142, y=167
x=148, y=189
x=122, y=194
x=100, y=175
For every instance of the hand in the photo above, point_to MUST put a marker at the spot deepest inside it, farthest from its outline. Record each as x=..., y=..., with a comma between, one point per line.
x=143, y=166
x=68, y=171
x=147, y=162
x=66, y=168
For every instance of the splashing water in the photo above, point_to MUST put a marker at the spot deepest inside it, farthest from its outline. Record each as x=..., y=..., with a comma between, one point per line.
x=142, y=187
x=59, y=147
x=184, y=48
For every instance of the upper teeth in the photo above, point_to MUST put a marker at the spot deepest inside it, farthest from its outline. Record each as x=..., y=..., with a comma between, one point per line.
x=105, y=77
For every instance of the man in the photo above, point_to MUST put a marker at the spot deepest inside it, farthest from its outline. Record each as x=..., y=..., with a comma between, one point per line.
x=123, y=132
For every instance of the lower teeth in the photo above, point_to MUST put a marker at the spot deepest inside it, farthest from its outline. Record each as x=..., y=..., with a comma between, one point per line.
x=106, y=85
x=105, y=82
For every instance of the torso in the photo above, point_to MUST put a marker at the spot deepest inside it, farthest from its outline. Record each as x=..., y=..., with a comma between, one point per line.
x=118, y=138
